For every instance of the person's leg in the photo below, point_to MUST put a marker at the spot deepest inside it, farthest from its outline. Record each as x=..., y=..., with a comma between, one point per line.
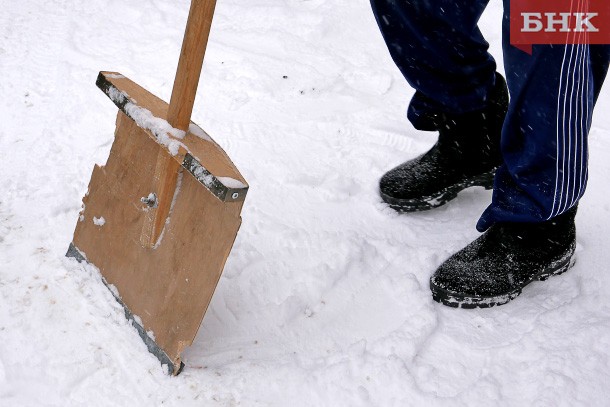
x=544, y=139
x=439, y=49
x=529, y=227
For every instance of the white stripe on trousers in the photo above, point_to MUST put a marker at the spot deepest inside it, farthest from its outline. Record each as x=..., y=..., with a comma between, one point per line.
x=567, y=192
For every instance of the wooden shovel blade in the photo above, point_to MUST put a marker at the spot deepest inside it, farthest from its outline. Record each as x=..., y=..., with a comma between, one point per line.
x=165, y=288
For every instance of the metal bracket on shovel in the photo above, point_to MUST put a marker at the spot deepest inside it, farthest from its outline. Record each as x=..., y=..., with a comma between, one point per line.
x=111, y=84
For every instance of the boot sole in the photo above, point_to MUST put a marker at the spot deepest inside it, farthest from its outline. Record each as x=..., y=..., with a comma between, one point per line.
x=485, y=180
x=470, y=301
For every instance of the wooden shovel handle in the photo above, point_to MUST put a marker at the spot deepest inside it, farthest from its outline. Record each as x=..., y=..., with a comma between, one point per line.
x=190, y=63
x=179, y=115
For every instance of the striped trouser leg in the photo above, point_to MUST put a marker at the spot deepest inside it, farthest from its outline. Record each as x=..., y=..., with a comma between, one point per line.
x=544, y=140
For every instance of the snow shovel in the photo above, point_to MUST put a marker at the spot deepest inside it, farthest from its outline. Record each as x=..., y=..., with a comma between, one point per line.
x=160, y=218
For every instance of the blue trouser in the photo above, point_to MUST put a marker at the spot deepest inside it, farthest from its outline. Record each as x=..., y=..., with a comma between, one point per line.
x=441, y=52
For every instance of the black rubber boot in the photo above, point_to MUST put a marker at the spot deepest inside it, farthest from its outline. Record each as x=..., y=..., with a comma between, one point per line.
x=467, y=154
x=493, y=269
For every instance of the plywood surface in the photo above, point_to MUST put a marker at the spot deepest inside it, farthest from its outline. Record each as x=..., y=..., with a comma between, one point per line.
x=204, y=149
x=168, y=287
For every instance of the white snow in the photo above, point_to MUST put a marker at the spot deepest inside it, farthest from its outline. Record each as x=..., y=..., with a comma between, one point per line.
x=199, y=132
x=231, y=182
x=324, y=300
x=114, y=290
x=137, y=319
x=204, y=176
x=99, y=221
x=163, y=131
x=117, y=96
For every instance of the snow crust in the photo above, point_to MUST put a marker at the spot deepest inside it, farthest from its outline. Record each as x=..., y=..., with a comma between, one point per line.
x=231, y=182
x=324, y=300
x=163, y=131
x=159, y=127
x=198, y=131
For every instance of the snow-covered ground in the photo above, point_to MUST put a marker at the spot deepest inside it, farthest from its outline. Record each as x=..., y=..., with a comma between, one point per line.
x=325, y=299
